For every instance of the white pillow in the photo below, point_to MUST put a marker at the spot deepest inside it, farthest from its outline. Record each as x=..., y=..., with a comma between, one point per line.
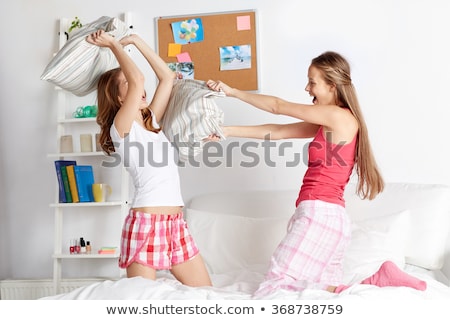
x=191, y=116
x=78, y=64
x=230, y=242
x=429, y=205
x=374, y=241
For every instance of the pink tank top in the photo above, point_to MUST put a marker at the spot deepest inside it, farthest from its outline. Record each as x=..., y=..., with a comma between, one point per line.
x=329, y=168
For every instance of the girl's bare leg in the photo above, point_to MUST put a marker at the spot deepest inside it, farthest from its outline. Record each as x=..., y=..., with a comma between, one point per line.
x=192, y=273
x=139, y=270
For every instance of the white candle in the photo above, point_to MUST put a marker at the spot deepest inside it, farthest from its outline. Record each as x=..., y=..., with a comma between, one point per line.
x=86, y=142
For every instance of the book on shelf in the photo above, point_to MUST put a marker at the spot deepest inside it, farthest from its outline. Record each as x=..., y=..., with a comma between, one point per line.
x=63, y=182
x=72, y=183
x=84, y=177
x=66, y=184
x=107, y=250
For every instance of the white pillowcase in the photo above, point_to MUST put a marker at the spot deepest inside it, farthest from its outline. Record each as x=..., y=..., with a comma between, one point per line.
x=374, y=241
x=78, y=64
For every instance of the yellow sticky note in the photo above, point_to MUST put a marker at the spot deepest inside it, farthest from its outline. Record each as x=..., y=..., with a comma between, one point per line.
x=243, y=23
x=174, y=49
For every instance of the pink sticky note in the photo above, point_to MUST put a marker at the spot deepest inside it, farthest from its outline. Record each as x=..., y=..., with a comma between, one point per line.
x=174, y=49
x=243, y=23
x=184, y=57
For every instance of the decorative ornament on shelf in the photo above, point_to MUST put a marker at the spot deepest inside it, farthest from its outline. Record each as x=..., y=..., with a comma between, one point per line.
x=86, y=112
x=76, y=23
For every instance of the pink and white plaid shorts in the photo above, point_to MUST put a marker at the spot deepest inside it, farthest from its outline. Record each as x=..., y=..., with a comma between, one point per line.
x=312, y=252
x=156, y=240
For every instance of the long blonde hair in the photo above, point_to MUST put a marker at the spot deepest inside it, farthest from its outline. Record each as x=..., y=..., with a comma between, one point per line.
x=336, y=70
x=109, y=105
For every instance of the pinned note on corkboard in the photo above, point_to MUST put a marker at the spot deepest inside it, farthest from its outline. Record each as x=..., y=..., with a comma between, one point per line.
x=218, y=46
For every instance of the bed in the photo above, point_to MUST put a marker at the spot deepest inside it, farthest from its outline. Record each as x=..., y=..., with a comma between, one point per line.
x=237, y=232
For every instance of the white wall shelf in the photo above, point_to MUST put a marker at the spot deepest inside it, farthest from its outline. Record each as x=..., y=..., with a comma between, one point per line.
x=67, y=124
x=87, y=204
x=85, y=256
x=76, y=154
x=77, y=120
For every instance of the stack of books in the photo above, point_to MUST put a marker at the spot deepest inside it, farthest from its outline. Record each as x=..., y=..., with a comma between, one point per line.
x=74, y=181
x=107, y=250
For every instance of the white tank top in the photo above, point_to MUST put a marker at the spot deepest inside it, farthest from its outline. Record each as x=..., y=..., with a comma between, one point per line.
x=149, y=158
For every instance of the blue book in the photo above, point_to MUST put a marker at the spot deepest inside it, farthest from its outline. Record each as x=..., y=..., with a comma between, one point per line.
x=84, y=176
x=61, y=183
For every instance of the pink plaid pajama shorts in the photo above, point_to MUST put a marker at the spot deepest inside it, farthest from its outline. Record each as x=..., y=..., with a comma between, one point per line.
x=312, y=252
x=158, y=241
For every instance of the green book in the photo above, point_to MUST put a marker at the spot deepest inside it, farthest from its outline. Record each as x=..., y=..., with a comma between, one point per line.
x=65, y=179
x=59, y=166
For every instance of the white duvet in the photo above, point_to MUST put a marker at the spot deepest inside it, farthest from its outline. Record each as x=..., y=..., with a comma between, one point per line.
x=240, y=285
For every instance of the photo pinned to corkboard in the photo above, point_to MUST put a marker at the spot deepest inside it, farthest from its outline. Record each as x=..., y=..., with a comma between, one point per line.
x=219, y=46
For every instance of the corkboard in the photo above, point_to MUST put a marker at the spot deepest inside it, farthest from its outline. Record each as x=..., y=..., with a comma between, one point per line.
x=220, y=30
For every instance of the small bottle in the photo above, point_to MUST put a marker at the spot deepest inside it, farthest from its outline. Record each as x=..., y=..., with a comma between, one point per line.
x=77, y=247
x=82, y=245
x=73, y=244
x=88, y=247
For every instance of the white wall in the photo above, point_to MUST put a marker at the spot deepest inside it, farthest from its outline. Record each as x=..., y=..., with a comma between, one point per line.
x=398, y=50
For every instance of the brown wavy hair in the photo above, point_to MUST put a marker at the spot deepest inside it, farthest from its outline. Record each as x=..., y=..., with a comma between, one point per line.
x=336, y=70
x=108, y=106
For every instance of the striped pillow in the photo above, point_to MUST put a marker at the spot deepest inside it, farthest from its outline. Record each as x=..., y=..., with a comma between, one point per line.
x=78, y=64
x=191, y=116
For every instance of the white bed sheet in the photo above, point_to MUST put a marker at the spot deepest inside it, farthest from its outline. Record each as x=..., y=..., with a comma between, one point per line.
x=239, y=285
